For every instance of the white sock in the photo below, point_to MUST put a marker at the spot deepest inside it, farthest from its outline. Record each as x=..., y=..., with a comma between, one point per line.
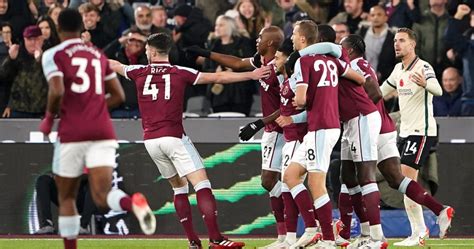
x=281, y=237
x=409, y=214
x=69, y=226
x=291, y=238
x=376, y=232
x=276, y=191
x=365, y=228
x=418, y=222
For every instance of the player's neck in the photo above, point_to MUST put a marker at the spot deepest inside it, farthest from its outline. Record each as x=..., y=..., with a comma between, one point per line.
x=157, y=59
x=68, y=35
x=407, y=60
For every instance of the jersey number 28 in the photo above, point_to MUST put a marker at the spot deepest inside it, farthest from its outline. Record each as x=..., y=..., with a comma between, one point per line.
x=323, y=66
x=151, y=89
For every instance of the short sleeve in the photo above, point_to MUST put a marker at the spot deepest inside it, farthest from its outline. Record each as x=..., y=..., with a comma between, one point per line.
x=50, y=67
x=191, y=76
x=133, y=71
x=362, y=67
x=301, y=73
x=342, y=66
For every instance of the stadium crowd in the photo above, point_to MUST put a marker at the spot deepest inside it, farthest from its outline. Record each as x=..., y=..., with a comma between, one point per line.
x=444, y=30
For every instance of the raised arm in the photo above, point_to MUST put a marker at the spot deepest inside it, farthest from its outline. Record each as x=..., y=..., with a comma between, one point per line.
x=235, y=63
x=248, y=131
x=117, y=67
x=232, y=77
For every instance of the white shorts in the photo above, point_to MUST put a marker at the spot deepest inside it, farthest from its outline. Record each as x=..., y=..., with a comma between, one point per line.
x=288, y=151
x=314, y=153
x=272, y=145
x=70, y=158
x=173, y=155
x=387, y=146
x=359, y=139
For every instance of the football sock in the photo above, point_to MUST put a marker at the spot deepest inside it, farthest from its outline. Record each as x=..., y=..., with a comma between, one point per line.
x=207, y=205
x=291, y=212
x=183, y=211
x=345, y=210
x=118, y=200
x=324, y=210
x=305, y=206
x=371, y=195
x=416, y=213
x=358, y=203
x=69, y=230
x=276, y=202
x=416, y=193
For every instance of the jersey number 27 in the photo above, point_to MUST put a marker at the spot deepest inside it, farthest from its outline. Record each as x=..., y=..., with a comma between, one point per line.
x=151, y=89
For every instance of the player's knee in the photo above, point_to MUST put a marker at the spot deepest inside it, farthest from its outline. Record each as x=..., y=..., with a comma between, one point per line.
x=349, y=180
x=100, y=200
x=268, y=183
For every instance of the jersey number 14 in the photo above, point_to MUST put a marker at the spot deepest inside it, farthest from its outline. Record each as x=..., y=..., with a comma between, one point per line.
x=151, y=89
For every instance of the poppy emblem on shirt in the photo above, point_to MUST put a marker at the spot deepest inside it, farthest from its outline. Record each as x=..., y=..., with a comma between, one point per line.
x=401, y=82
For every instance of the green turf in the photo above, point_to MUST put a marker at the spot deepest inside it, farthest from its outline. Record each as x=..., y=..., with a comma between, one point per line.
x=177, y=244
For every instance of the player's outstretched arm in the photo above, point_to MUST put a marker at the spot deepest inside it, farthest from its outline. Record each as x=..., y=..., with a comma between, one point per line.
x=251, y=129
x=116, y=94
x=117, y=67
x=231, y=77
x=235, y=63
x=373, y=90
x=354, y=76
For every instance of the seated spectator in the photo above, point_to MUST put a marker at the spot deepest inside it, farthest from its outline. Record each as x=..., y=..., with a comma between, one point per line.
x=342, y=30
x=449, y=104
x=402, y=13
x=463, y=46
x=93, y=27
x=129, y=49
x=227, y=40
x=23, y=68
x=48, y=29
x=47, y=193
x=251, y=16
x=352, y=15
x=378, y=38
x=54, y=11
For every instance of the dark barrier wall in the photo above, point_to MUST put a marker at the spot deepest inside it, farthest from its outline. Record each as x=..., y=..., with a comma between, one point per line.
x=234, y=172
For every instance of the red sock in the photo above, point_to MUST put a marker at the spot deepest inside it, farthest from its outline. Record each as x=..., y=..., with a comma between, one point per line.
x=324, y=210
x=371, y=197
x=70, y=243
x=358, y=205
x=419, y=195
x=126, y=203
x=305, y=206
x=291, y=212
x=278, y=212
x=207, y=205
x=345, y=210
x=183, y=210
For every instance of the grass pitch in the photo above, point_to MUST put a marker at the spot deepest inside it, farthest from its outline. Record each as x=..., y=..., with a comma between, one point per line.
x=105, y=243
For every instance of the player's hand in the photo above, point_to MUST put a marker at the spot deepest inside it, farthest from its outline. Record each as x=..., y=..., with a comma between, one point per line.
x=46, y=125
x=283, y=121
x=463, y=10
x=257, y=60
x=7, y=112
x=250, y=130
x=261, y=72
x=419, y=79
x=290, y=62
x=13, y=51
x=197, y=51
x=86, y=36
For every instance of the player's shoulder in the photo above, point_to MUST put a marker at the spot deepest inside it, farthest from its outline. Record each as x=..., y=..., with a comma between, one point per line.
x=185, y=69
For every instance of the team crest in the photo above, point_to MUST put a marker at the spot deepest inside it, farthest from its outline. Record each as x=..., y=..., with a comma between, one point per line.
x=285, y=90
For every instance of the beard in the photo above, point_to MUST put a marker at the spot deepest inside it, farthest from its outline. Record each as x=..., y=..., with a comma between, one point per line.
x=144, y=26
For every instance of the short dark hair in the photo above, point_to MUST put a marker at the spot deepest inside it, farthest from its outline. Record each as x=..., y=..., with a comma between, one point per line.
x=408, y=31
x=161, y=42
x=287, y=47
x=326, y=33
x=309, y=30
x=70, y=20
x=356, y=42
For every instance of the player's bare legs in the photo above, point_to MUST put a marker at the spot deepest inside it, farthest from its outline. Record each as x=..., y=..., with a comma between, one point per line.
x=105, y=197
x=69, y=220
x=207, y=205
x=183, y=208
x=293, y=179
x=271, y=182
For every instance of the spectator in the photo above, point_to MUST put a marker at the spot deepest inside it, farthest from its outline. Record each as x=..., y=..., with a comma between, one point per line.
x=342, y=30
x=402, y=13
x=251, y=16
x=5, y=43
x=352, y=15
x=23, y=68
x=54, y=11
x=17, y=14
x=192, y=28
x=47, y=193
x=227, y=40
x=48, y=29
x=130, y=51
x=143, y=20
x=430, y=35
x=45, y=5
x=463, y=46
x=94, y=30
x=7, y=38
x=289, y=25
x=212, y=8
x=449, y=104
x=240, y=25
x=379, y=43
x=159, y=19
x=111, y=16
